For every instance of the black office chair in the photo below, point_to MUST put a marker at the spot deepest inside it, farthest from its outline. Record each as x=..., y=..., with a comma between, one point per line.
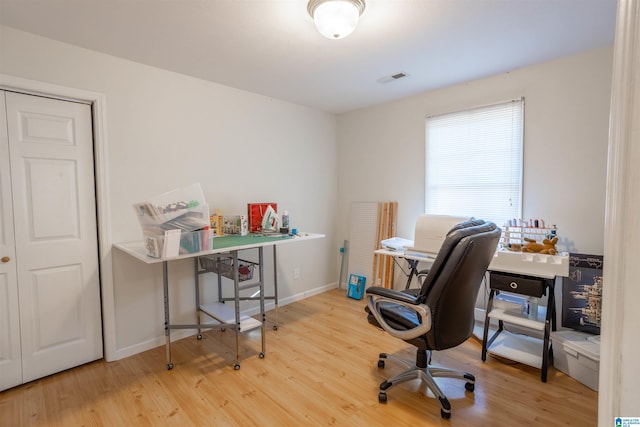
x=440, y=314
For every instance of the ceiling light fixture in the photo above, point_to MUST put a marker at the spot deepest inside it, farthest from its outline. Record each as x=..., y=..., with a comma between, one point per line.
x=335, y=19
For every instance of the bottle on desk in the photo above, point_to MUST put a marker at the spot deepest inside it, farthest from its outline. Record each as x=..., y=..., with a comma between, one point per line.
x=284, y=228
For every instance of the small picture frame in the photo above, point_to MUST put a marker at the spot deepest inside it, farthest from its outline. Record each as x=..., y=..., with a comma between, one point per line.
x=355, y=288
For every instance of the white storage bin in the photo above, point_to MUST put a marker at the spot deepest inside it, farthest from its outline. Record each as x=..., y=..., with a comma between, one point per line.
x=184, y=210
x=185, y=206
x=190, y=194
x=577, y=354
x=189, y=242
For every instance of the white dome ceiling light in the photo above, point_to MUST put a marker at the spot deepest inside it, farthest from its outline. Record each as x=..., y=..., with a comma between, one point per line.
x=335, y=19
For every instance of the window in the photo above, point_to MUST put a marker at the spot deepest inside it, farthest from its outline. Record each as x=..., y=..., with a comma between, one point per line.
x=474, y=162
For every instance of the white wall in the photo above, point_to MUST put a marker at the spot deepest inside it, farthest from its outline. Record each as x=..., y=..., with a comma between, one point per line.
x=381, y=149
x=165, y=130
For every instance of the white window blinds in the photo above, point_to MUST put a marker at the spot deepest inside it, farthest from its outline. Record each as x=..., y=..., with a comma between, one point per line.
x=474, y=162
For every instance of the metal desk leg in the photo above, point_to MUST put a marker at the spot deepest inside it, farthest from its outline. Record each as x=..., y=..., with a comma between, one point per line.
x=262, y=313
x=236, y=298
x=486, y=340
x=548, y=325
x=167, y=323
x=275, y=286
x=485, y=334
x=196, y=273
x=413, y=265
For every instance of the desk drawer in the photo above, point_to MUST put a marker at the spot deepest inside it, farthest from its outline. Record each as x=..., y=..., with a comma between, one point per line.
x=518, y=284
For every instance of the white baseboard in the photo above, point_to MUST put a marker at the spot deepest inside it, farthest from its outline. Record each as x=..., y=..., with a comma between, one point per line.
x=284, y=301
x=131, y=350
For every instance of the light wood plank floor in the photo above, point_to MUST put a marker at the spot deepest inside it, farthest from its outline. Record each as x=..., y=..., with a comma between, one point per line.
x=320, y=369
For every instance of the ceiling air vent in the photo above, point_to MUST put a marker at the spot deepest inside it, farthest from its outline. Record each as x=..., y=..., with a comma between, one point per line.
x=392, y=77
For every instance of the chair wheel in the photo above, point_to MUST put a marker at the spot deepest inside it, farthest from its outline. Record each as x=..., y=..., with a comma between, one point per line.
x=382, y=397
x=199, y=336
x=236, y=366
x=445, y=410
x=381, y=364
x=275, y=327
x=261, y=355
x=470, y=387
x=169, y=366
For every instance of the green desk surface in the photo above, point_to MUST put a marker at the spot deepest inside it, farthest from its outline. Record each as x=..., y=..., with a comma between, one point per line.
x=220, y=245
x=229, y=241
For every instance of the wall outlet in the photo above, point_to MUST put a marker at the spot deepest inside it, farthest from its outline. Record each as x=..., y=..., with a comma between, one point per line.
x=296, y=273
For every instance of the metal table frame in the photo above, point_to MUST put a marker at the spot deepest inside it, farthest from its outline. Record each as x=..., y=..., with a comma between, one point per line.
x=412, y=260
x=221, y=246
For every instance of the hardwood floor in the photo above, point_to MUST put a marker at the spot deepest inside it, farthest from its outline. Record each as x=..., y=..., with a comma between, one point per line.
x=320, y=369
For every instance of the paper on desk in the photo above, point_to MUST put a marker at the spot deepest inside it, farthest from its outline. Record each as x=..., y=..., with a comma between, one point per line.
x=171, y=246
x=396, y=244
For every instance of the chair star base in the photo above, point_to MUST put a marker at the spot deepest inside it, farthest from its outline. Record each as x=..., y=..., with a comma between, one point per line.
x=423, y=370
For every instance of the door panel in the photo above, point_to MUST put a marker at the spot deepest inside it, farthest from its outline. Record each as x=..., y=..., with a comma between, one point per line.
x=52, y=207
x=57, y=317
x=46, y=128
x=51, y=151
x=10, y=354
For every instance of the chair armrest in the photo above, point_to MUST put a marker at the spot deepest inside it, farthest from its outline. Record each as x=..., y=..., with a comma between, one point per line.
x=377, y=296
x=392, y=294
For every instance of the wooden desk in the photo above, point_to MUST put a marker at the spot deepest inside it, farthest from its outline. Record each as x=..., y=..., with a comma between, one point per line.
x=220, y=245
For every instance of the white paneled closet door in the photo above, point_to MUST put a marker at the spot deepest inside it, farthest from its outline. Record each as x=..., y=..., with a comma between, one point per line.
x=50, y=147
x=10, y=354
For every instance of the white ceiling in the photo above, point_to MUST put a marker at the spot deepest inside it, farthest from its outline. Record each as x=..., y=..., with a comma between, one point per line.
x=271, y=47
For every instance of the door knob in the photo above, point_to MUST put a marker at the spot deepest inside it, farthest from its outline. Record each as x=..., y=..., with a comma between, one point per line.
x=5, y=259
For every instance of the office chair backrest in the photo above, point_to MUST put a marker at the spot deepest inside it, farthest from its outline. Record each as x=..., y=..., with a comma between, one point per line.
x=452, y=291
x=453, y=237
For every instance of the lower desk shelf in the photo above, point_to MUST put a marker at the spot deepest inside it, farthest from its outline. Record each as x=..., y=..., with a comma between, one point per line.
x=521, y=320
x=225, y=314
x=519, y=348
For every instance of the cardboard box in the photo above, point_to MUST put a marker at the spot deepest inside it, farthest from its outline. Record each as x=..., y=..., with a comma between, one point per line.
x=577, y=354
x=215, y=219
x=235, y=224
